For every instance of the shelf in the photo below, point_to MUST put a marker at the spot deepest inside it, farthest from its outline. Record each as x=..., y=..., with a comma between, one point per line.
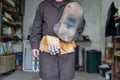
x=7, y=54
x=13, y=53
x=7, y=3
x=15, y=10
x=4, y=39
x=116, y=17
x=117, y=57
x=12, y=24
x=117, y=74
x=116, y=36
x=11, y=11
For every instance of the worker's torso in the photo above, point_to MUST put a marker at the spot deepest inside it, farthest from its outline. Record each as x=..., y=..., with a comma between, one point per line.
x=52, y=13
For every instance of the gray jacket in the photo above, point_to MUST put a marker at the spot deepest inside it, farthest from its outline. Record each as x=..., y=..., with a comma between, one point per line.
x=48, y=14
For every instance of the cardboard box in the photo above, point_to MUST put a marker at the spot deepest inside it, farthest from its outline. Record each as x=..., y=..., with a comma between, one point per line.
x=7, y=63
x=109, y=54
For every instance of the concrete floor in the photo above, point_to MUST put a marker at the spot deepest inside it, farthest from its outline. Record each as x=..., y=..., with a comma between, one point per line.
x=18, y=75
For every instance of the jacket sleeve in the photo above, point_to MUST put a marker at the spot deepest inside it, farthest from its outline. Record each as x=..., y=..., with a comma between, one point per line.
x=81, y=27
x=36, y=33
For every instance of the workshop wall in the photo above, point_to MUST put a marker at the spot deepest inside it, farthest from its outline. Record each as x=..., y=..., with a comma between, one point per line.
x=30, y=11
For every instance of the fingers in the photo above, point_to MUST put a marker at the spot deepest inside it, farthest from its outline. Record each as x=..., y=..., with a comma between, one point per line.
x=53, y=45
x=52, y=52
x=35, y=52
x=54, y=49
x=57, y=48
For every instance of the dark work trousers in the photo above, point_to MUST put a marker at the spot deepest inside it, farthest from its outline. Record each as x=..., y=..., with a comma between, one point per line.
x=57, y=67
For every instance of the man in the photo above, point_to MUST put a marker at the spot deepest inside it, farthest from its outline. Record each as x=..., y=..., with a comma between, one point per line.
x=55, y=63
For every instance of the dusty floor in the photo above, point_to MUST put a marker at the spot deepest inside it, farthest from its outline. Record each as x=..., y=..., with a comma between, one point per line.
x=18, y=75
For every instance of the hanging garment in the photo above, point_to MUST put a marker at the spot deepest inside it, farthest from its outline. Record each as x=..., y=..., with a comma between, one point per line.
x=110, y=23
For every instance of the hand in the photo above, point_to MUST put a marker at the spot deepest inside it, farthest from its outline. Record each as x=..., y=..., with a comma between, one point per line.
x=35, y=52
